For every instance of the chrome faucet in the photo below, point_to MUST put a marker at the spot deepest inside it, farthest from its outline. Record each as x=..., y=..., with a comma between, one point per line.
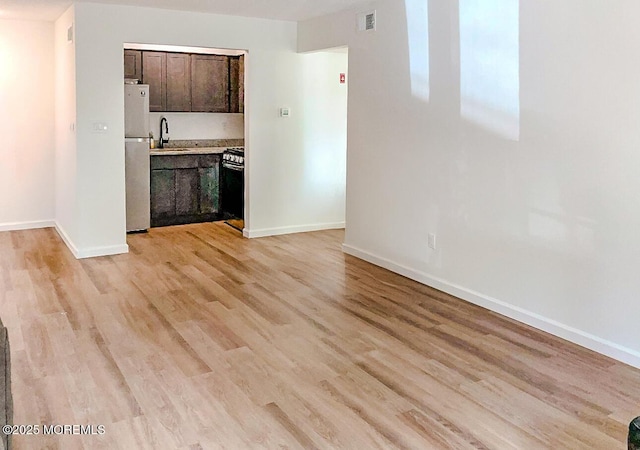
x=166, y=130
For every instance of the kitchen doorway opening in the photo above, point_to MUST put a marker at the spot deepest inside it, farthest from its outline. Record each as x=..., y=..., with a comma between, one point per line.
x=184, y=135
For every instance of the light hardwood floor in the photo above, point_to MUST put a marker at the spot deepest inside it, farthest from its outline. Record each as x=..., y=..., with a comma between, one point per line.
x=199, y=339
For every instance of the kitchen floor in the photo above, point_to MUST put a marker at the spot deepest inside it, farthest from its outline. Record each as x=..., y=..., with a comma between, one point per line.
x=200, y=339
x=238, y=224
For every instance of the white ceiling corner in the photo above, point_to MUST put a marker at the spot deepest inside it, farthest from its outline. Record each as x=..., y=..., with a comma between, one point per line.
x=293, y=10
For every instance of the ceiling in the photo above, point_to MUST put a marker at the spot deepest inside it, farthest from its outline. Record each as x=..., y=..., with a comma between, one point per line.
x=269, y=9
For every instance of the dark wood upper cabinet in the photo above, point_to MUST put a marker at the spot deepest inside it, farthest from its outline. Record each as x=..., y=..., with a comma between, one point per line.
x=209, y=83
x=184, y=82
x=178, y=82
x=234, y=78
x=133, y=64
x=154, y=73
x=241, y=84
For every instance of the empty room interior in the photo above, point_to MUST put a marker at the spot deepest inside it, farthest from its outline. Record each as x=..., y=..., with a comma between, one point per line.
x=319, y=224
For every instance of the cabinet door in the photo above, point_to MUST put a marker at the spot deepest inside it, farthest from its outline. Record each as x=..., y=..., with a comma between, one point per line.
x=178, y=82
x=133, y=64
x=163, y=194
x=154, y=73
x=187, y=181
x=241, y=84
x=209, y=83
x=234, y=84
x=209, y=189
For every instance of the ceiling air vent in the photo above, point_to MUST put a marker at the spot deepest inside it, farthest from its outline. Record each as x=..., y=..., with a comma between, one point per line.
x=367, y=21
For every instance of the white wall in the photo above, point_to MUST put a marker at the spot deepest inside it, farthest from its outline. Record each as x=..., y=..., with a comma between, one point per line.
x=65, y=137
x=199, y=125
x=26, y=124
x=534, y=197
x=274, y=145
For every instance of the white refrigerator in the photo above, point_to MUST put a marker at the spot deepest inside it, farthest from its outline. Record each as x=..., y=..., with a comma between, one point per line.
x=137, y=162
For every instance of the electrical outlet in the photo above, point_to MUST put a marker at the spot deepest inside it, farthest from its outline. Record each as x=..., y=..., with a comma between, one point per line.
x=285, y=112
x=432, y=241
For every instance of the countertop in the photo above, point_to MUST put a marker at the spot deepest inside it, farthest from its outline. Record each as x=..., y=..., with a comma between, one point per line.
x=196, y=147
x=186, y=151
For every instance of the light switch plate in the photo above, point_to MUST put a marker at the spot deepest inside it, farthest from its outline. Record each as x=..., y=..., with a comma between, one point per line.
x=99, y=127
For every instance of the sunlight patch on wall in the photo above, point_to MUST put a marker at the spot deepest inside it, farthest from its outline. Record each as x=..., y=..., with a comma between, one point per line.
x=418, y=36
x=490, y=65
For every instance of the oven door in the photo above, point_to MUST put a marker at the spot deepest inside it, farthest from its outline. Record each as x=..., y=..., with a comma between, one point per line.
x=232, y=190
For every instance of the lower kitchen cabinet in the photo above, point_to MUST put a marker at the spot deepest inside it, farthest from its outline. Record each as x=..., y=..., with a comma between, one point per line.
x=209, y=189
x=163, y=194
x=185, y=189
x=187, y=183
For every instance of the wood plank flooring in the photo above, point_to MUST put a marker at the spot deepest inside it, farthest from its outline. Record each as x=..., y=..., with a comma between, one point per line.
x=200, y=339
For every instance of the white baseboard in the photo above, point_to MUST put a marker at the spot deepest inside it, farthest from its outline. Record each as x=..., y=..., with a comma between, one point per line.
x=94, y=252
x=16, y=226
x=579, y=337
x=90, y=252
x=66, y=239
x=290, y=230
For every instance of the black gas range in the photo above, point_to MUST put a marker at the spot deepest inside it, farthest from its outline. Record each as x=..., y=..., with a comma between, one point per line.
x=232, y=186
